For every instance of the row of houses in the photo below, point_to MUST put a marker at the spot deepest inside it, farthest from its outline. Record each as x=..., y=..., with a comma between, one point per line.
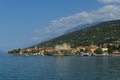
x=65, y=47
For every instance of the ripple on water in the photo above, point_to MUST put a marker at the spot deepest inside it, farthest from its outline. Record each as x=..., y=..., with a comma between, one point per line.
x=59, y=68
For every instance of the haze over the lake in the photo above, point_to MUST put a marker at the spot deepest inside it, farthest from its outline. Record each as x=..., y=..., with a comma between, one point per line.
x=24, y=22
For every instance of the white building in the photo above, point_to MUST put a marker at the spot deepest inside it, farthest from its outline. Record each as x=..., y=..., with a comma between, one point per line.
x=63, y=46
x=105, y=49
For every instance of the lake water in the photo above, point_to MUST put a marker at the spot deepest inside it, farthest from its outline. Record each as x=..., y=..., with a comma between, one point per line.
x=59, y=68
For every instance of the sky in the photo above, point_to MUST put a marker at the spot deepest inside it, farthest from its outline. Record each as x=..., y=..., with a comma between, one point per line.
x=27, y=22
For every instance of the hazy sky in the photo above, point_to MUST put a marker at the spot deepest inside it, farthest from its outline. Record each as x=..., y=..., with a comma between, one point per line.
x=22, y=22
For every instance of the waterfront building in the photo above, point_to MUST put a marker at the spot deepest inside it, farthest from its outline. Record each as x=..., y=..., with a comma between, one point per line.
x=64, y=46
x=104, y=49
x=49, y=49
x=80, y=48
x=30, y=49
x=92, y=48
x=115, y=52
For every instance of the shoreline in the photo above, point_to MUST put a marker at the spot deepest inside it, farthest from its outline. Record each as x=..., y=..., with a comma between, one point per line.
x=61, y=55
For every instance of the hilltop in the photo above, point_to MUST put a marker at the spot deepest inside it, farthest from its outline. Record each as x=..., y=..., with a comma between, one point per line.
x=104, y=32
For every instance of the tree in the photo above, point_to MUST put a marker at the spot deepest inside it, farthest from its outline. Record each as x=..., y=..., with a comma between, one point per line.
x=14, y=51
x=98, y=51
x=81, y=50
x=110, y=50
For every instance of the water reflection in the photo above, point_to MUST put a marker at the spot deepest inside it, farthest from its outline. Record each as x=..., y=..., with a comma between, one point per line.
x=88, y=68
x=107, y=68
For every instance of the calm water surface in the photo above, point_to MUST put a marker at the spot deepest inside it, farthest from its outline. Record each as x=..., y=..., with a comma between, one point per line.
x=59, y=68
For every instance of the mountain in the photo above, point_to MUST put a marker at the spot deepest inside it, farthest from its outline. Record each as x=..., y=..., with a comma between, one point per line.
x=104, y=32
x=79, y=27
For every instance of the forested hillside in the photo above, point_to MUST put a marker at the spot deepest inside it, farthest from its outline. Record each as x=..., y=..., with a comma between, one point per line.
x=105, y=32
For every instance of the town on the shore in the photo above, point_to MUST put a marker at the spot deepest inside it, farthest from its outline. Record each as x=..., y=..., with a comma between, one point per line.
x=65, y=49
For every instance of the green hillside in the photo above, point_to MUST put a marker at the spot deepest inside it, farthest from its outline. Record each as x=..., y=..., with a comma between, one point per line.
x=105, y=32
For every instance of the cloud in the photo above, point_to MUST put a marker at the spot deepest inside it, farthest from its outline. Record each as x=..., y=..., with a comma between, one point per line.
x=60, y=26
x=109, y=12
x=110, y=1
